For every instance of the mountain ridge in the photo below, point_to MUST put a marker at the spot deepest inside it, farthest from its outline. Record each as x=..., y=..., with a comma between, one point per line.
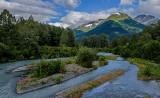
x=115, y=25
x=146, y=19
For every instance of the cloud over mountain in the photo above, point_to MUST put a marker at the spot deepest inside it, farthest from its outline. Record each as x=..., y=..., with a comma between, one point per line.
x=75, y=19
x=149, y=7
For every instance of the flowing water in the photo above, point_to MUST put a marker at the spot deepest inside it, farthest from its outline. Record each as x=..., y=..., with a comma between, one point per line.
x=123, y=86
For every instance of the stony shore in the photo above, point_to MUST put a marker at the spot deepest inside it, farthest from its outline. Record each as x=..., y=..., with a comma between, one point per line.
x=73, y=70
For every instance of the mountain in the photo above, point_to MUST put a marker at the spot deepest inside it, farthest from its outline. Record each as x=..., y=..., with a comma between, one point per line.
x=89, y=26
x=115, y=25
x=146, y=19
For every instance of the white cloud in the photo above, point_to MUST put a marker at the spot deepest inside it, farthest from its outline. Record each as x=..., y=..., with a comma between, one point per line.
x=35, y=3
x=151, y=7
x=127, y=2
x=128, y=11
x=58, y=24
x=75, y=19
x=68, y=3
x=41, y=14
x=112, y=10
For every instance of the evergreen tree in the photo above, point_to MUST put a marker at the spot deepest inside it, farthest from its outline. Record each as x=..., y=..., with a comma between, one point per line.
x=104, y=42
x=84, y=41
x=145, y=37
x=64, y=38
x=114, y=43
x=31, y=18
x=7, y=27
x=123, y=40
x=71, y=38
x=29, y=38
x=92, y=41
x=134, y=38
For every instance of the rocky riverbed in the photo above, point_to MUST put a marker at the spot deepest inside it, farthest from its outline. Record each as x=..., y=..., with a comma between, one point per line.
x=31, y=84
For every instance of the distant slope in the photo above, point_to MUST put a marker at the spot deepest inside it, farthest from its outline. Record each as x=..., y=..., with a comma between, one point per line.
x=89, y=26
x=114, y=26
x=146, y=19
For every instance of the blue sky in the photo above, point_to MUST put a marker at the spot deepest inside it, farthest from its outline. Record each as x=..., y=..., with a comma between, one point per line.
x=73, y=13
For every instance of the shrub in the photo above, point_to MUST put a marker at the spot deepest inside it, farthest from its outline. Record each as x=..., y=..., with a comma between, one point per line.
x=58, y=79
x=116, y=50
x=157, y=59
x=85, y=57
x=42, y=82
x=95, y=67
x=50, y=78
x=102, y=61
x=125, y=52
x=147, y=71
x=34, y=84
x=54, y=52
x=34, y=80
x=62, y=67
x=46, y=68
x=54, y=67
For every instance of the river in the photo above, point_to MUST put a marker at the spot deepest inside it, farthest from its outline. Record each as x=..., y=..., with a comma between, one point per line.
x=121, y=87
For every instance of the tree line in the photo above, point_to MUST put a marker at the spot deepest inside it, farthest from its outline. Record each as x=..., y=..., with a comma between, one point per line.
x=27, y=39
x=146, y=45
x=22, y=39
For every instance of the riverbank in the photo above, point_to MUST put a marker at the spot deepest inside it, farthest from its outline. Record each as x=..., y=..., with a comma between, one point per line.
x=72, y=70
x=148, y=70
x=30, y=84
x=111, y=57
x=77, y=91
x=124, y=86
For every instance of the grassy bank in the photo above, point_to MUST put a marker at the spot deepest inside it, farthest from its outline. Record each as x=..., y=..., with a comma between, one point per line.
x=77, y=91
x=148, y=70
x=111, y=57
x=47, y=73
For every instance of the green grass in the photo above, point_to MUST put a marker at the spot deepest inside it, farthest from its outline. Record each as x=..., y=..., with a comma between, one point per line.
x=42, y=82
x=34, y=84
x=111, y=57
x=70, y=60
x=21, y=86
x=116, y=17
x=102, y=61
x=59, y=79
x=148, y=69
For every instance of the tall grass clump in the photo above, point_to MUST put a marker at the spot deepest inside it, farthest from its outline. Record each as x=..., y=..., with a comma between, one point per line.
x=86, y=56
x=47, y=68
x=102, y=60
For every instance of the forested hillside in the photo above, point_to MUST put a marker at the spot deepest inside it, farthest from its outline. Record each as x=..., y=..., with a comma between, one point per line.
x=25, y=39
